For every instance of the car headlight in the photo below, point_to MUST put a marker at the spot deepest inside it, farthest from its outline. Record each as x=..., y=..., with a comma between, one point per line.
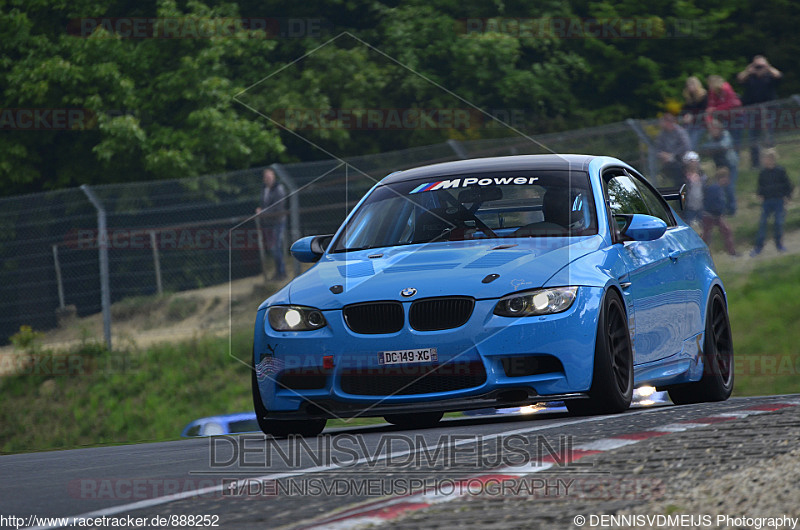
x=295, y=318
x=539, y=302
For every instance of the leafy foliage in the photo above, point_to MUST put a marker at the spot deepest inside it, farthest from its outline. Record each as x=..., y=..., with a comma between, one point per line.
x=166, y=107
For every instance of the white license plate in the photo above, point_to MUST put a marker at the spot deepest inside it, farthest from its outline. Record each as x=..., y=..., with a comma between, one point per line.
x=423, y=355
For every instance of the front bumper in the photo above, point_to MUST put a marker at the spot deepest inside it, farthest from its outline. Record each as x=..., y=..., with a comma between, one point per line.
x=485, y=342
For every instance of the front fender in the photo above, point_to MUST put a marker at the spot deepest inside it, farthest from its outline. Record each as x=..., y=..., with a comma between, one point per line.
x=596, y=269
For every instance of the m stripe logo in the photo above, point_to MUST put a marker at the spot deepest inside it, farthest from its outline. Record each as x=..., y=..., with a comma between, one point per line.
x=472, y=181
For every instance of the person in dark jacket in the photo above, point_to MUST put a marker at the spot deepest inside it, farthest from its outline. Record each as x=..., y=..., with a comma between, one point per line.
x=715, y=206
x=273, y=220
x=671, y=144
x=775, y=189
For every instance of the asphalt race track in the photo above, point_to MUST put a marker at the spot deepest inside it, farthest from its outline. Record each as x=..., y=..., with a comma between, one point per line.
x=383, y=475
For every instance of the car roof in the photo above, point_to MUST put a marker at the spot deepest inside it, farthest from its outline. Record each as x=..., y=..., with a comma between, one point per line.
x=222, y=418
x=498, y=163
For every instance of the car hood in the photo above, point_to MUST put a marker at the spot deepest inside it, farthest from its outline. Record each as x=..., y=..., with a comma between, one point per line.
x=439, y=269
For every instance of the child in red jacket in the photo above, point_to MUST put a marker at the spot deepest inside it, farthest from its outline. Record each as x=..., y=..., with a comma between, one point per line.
x=721, y=95
x=721, y=99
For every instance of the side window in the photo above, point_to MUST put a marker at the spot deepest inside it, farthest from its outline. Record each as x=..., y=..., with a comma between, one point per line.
x=655, y=204
x=624, y=196
x=194, y=430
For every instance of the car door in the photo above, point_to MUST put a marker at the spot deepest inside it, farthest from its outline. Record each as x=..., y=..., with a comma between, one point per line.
x=649, y=286
x=682, y=242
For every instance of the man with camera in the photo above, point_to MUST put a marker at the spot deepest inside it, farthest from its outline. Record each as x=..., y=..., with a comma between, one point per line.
x=760, y=80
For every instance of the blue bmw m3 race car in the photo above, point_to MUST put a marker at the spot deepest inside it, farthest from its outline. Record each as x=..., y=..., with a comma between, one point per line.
x=494, y=282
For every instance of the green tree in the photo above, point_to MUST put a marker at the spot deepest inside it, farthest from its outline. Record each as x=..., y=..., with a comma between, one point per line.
x=166, y=108
x=160, y=108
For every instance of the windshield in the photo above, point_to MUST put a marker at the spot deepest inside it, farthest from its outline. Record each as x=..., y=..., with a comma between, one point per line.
x=474, y=206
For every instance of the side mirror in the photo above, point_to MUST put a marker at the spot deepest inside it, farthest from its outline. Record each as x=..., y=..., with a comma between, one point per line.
x=310, y=249
x=642, y=227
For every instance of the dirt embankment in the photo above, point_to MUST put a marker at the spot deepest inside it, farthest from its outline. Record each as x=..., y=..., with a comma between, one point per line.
x=145, y=320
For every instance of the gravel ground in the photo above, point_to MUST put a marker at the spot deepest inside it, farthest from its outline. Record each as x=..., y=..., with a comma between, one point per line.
x=737, y=467
x=740, y=468
x=770, y=488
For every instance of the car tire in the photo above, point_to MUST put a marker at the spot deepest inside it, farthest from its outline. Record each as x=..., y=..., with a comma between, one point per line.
x=717, y=381
x=612, y=377
x=414, y=421
x=282, y=428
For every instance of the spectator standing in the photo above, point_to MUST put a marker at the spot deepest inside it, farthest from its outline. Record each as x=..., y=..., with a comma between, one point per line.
x=273, y=205
x=715, y=206
x=721, y=99
x=695, y=99
x=671, y=144
x=695, y=181
x=760, y=80
x=775, y=189
x=719, y=145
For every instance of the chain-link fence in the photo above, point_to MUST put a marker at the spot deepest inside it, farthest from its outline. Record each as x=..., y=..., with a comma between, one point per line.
x=182, y=234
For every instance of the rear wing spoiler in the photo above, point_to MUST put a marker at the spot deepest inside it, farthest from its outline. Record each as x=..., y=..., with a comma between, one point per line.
x=674, y=194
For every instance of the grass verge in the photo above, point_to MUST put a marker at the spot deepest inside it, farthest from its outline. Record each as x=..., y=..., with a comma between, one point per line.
x=89, y=397
x=764, y=312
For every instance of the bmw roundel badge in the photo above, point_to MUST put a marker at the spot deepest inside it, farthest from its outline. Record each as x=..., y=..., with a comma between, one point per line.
x=408, y=291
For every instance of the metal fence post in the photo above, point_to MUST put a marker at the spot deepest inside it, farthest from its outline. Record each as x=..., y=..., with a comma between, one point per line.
x=170, y=206
x=102, y=246
x=457, y=148
x=294, y=208
x=156, y=262
x=652, y=166
x=59, y=283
